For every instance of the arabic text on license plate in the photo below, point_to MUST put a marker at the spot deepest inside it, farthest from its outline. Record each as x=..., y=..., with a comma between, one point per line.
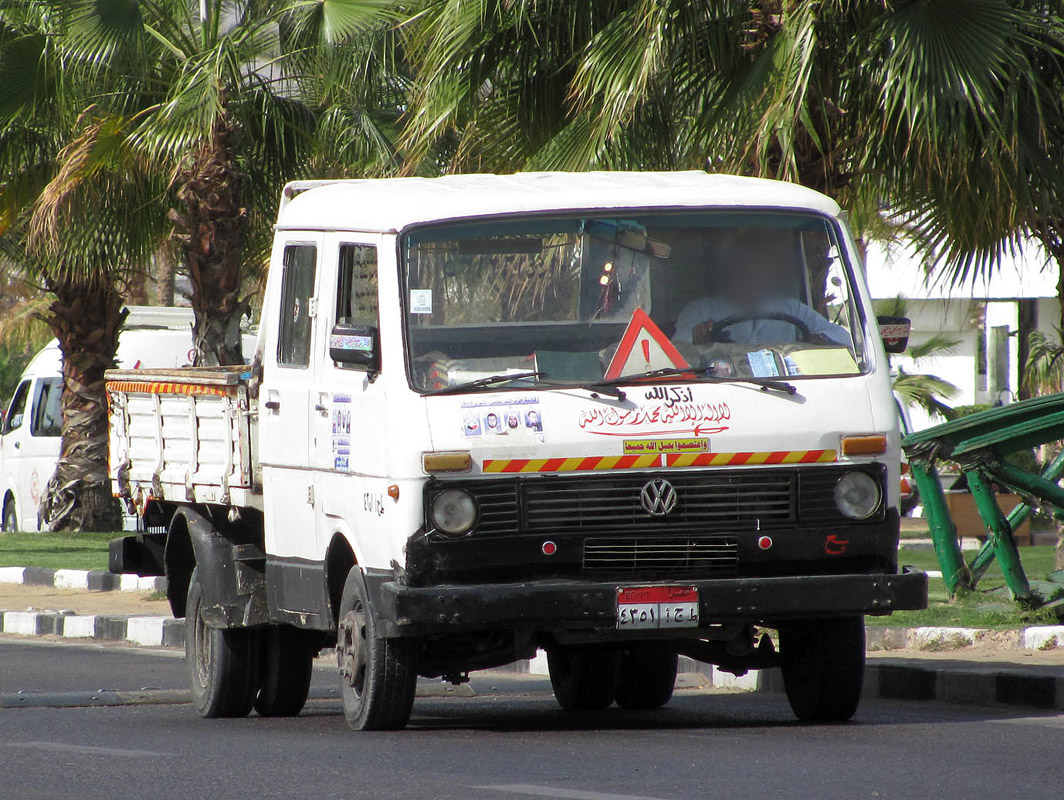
x=657, y=607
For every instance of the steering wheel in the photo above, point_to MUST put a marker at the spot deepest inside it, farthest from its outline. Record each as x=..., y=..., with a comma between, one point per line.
x=718, y=333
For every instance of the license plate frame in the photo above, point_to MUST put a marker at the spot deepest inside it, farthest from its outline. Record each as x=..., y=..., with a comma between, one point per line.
x=660, y=607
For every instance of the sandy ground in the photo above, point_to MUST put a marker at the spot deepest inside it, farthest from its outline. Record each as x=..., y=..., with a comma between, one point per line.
x=981, y=654
x=16, y=597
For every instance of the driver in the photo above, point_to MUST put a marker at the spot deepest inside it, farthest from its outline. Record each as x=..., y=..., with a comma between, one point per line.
x=756, y=290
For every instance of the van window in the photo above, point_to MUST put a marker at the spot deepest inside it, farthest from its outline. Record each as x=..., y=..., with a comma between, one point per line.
x=17, y=410
x=356, y=291
x=297, y=288
x=47, y=416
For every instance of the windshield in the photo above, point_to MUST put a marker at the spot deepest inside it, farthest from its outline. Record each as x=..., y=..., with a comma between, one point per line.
x=584, y=300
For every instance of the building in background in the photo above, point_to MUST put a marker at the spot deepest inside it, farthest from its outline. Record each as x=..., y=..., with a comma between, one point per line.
x=989, y=317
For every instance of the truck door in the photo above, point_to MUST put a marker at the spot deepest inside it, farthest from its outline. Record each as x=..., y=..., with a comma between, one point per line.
x=31, y=445
x=348, y=431
x=286, y=403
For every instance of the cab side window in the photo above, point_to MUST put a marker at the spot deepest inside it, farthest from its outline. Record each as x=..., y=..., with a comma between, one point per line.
x=297, y=289
x=16, y=412
x=47, y=416
x=356, y=295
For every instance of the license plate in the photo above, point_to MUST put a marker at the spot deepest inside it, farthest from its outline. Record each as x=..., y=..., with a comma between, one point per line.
x=642, y=607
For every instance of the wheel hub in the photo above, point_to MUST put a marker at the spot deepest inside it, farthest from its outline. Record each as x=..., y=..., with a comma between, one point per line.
x=351, y=650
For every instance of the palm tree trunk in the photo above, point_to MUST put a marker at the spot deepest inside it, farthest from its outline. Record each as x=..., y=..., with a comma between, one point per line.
x=165, y=275
x=86, y=321
x=211, y=225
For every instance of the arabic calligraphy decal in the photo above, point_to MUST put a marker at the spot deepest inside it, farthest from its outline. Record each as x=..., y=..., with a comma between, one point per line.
x=675, y=412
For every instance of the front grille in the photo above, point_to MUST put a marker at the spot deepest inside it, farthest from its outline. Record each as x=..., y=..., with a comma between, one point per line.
x=730, y=501
x=704, y=502
x=666, y=554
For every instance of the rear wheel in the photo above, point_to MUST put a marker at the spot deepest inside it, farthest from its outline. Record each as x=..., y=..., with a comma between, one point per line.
x=287, y=658
x=378, y=676
x=584, y=680
x=10, y=519
x=823, y=668
x=222, y=662
x=648, y=676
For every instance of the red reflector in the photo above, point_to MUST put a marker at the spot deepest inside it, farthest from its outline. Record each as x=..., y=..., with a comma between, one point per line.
x=765, y=542
x=549, y=548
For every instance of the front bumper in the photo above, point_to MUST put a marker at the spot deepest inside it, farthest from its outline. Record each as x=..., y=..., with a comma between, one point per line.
x=579, y=605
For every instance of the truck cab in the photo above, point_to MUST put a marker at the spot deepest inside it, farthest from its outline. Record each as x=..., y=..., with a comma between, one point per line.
x=620, y=417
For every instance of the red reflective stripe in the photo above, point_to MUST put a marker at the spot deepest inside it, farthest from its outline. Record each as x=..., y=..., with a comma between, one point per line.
x=552, y=465
x=515, y=465
x=777, y=457
x=590, y=463
x=811, y=456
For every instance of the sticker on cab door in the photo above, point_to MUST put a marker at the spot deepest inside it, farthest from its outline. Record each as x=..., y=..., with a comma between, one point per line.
x=341, y=431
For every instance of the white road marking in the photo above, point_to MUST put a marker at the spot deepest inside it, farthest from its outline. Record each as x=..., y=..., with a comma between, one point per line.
x=561, y=794
x=89, y=750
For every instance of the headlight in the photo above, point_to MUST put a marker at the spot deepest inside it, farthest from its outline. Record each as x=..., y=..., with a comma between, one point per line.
x=857, y=494
x=454, y=511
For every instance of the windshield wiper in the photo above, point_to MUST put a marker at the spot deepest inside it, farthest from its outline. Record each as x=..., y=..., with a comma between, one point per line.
x=482, y=383
x=765, y=384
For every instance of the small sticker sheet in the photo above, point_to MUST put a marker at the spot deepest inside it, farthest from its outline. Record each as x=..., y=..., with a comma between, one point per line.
x=763, y=364
x=517, y=418
x=341, y=431
x=421, y=301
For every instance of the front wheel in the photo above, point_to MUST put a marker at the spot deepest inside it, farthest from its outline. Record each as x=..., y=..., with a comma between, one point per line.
x=9, y=524
x=378, y=676
x=222, y=662
x=823, y=667
x=584, y=680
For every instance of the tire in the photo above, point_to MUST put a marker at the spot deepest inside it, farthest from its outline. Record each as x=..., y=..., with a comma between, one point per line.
x=584, y=680
x=823, y=668
x=648, y=676
x=378, y=676
x=9, y=523
x=287, y=659
x=222, y=662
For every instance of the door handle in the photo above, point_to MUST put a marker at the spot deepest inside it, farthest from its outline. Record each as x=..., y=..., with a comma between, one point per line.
x=18, y=445
x=273, y=405
x=320, y=408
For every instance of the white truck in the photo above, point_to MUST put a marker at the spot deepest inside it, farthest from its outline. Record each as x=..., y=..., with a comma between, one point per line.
x=619, y=417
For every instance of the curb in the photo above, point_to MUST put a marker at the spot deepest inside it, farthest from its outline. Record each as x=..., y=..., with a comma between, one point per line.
x=153, y=631
x=90, y=579
x=958, y=683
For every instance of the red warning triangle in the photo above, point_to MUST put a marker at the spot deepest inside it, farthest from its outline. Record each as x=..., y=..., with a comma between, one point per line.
x=643, y=348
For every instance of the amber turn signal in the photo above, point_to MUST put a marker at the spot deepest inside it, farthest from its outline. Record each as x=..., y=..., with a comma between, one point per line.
x=457, y=461
x=870, y=445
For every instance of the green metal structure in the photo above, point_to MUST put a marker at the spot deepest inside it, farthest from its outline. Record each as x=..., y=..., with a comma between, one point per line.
x=979, y=444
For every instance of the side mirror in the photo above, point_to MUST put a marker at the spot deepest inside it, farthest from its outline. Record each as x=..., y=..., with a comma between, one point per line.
x=895, y=333
x=355, y=346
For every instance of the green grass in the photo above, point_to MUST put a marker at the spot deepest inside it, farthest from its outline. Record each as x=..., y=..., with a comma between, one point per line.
x=55, y=550
x=987, y=607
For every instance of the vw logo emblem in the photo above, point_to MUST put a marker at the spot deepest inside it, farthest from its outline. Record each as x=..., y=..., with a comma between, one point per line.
x=658, y=498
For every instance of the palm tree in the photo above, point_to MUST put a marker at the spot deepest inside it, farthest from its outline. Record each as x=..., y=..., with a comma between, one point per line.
x=224, y=99
x=169, y=110
x=867, y=102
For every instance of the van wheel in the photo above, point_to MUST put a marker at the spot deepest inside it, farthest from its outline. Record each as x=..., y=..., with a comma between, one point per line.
x=584, y=680
x=221, y=661
x=10, y=520
x=287, y=659
x=648, y=676
x=378, y=676
x=823, y=668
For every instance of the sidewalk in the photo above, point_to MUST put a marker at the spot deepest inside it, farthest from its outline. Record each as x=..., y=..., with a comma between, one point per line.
x=1017, y=668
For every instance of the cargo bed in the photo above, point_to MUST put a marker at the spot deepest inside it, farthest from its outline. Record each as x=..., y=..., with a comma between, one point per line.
x=184, y=435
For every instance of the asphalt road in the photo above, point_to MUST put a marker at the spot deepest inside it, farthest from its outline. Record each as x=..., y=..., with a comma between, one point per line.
x=507, y=742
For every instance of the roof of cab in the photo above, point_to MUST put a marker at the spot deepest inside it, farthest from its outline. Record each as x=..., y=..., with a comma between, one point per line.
x=392, y=204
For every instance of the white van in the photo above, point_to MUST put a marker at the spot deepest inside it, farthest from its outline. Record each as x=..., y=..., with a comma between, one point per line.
x=617, y=416
x=31, y=427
